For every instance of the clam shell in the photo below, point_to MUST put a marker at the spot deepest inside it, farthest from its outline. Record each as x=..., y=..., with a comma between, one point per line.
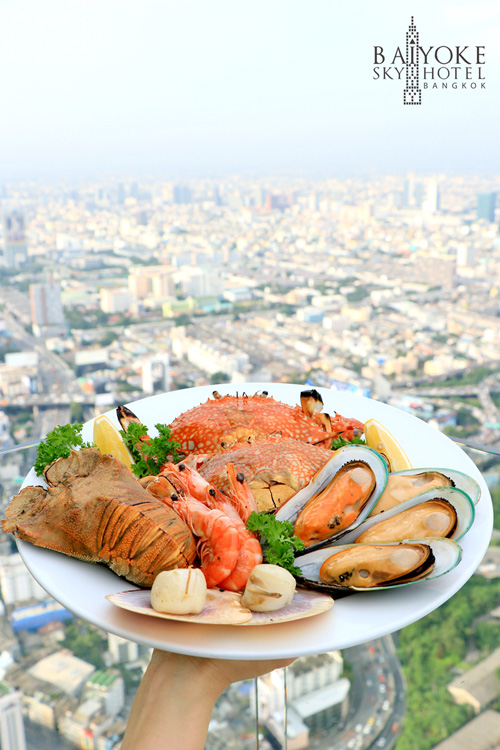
x=343, y=457
x=457, y=478
x=224, y=608
x=447, y=555
x=462, y=503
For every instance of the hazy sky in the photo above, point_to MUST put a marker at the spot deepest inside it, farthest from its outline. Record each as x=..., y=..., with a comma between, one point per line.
x=213, y=87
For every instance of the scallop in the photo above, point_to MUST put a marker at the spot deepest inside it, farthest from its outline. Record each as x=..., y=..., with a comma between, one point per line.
x=338, y=497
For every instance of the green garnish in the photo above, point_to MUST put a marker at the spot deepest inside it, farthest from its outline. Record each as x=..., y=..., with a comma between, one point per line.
x=339, y=442
x=277, y=540
x=59, y=443
x=149, y=457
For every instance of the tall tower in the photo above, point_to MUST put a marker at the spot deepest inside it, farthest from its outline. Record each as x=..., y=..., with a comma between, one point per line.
x=412, y=92
x=486, y=204
x=47, y=314
x=15, y=251
x=12, y=735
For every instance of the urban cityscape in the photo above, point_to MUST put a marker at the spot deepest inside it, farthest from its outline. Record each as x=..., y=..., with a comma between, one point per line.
x=386, y=286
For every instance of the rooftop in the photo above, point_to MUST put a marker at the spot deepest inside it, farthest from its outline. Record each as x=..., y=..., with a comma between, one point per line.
x=64, y=670
x=102, y=678
x=482, y=733
x=319, y=700
x=480, y=683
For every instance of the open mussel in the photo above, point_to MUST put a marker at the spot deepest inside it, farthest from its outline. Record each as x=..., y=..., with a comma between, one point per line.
x=442, y=512
x=366, y=567
x=338, y=497
x=403, y=485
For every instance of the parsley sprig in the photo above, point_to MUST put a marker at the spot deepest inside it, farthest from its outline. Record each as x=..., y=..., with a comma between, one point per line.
x=150, y=456
x=339, y=442
x=277, y=540
x=59, y=443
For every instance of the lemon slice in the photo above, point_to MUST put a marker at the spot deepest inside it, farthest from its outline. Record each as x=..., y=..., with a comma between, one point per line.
x=381, y=440
x=108, y=440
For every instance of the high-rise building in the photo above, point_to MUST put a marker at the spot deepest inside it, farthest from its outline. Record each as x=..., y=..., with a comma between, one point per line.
x=486, y=204
x=16, y=582
x=120, y=193
x=12, y=735
x=151, y=281
x=115, y=300
x=409, y=190
x=466, y=255
x=15, y=250
x=150, y=368
x=181, y=194
x=47, y=315
x=431, y=201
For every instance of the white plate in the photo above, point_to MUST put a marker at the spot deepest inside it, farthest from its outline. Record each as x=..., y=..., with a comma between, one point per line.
x=82, y=587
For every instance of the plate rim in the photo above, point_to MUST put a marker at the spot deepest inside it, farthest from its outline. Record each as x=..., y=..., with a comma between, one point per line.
x=124, y=627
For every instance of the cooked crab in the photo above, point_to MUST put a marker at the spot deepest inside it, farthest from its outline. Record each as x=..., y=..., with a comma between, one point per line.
x=223, y=421
x=274, y=469
x=94, y=509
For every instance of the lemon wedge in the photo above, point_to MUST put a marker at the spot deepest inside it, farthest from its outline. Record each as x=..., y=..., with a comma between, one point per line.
x=108, y=440
x=381, y=440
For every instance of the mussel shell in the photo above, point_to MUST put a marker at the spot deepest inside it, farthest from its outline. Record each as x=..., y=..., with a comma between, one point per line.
x=342, y=457
x=447, y=555
x=402, y=487
x=464, y=508
x=373, y=565
x=451, y=477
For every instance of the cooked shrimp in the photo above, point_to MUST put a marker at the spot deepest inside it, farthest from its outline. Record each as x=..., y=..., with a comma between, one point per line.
x=218, y=538
x=249, y=556
x=240, y=494
x=193, y=484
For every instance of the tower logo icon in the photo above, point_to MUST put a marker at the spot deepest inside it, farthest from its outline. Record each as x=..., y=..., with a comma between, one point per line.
x=425, y=67
x=412, y=93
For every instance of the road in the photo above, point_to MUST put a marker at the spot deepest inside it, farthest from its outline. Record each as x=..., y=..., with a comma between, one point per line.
x=376, y=699
x=41, y=738
x=55, y=374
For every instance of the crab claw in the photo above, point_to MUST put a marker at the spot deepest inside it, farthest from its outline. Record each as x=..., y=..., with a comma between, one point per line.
x=311, y=402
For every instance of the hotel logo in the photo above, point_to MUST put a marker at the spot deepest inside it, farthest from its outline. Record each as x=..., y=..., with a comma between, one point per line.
x=424, y=67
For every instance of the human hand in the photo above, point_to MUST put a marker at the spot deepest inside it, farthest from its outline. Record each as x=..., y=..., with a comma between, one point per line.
x=175, y=698
x=218, y=674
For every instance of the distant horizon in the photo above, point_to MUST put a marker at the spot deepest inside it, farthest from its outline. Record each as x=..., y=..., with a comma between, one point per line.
x=78, y=177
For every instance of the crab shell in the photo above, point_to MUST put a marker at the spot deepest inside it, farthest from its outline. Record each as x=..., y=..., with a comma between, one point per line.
x=223, y=421
x=399, y=490
x=447, y=555
x=274, y=469
x=343, y=458
x=459, y=501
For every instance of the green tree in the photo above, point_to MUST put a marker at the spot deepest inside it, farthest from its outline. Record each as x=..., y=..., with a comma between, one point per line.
x=85, y=642
x=430, y=650
x=76, y=412
x=220, y=377
x=465, y=418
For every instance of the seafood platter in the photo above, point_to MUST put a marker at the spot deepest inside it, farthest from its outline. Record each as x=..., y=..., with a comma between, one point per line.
x=380, y=545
